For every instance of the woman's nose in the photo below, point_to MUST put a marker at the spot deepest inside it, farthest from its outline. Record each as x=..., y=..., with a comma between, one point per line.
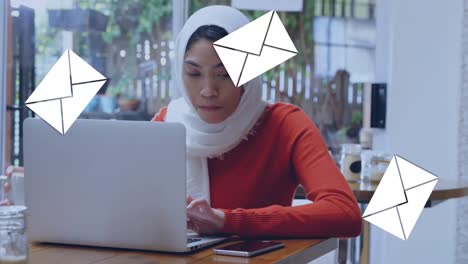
x=209, y=89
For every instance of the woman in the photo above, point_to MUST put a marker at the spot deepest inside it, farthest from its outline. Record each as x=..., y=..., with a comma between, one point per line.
x=245, y=157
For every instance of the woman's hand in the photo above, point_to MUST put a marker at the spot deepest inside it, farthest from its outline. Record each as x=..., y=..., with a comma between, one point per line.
x=7, y=186
x=203, y=219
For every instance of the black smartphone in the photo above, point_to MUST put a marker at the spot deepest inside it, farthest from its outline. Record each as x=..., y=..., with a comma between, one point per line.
x=248, y=248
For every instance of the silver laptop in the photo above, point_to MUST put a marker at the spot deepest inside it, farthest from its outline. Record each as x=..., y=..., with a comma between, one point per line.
x=108, y=183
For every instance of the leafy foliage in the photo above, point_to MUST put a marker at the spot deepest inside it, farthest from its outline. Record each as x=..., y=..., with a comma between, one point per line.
x=130, y=22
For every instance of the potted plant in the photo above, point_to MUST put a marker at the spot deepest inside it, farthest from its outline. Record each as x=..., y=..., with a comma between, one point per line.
x=128, y=103
x=121, y=96
x=113, y=92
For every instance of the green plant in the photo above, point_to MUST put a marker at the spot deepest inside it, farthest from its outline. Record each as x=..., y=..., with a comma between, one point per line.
x=356, y=117
x=119, y=88
x=130, y=22
x=352, y=129
x=130, y=18
x=300, y=26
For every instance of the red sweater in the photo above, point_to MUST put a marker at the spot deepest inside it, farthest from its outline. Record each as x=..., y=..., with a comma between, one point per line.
x=255, y=182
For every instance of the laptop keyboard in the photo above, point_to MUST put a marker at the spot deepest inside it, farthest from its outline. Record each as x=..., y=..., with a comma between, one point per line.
x=191, y=240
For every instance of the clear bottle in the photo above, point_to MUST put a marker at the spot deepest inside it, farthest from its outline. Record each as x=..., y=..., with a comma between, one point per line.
x=365, y=138
x=351, y=162
x=14, y=246
x=374, y=165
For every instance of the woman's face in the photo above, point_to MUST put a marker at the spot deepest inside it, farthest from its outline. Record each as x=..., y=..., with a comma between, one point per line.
x=209, y=87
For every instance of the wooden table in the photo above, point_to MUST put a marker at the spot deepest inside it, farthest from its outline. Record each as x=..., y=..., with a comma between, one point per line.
x=443, y=190
x=295, y=251
x=359, y=248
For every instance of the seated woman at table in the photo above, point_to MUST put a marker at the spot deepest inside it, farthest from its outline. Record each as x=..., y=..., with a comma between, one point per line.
x=246, y=157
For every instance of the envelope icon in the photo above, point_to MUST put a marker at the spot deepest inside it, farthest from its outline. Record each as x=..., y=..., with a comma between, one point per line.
x=400, y=197
x=255, y=48
x=65, y=91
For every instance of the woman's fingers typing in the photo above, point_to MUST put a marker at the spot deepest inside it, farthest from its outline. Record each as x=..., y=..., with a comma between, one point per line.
x=197, y=203
x=202, y=218
x=189, y=199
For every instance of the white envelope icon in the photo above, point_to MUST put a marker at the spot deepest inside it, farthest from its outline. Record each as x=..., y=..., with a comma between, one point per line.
x=255, y=48
x=400, y=197
x=65, y=91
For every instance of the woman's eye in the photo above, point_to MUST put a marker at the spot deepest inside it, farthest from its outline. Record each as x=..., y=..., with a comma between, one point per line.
x=193, y=74
x=225, y=75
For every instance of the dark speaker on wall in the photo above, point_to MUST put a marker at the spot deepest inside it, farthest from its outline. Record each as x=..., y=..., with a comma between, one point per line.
x=378, y=105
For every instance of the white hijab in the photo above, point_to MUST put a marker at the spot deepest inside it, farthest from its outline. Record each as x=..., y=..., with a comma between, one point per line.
x=205, y=140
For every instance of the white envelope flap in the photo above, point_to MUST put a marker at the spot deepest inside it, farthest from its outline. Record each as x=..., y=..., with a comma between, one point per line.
x=389, y=220
x=73, y=106
x=277, y=35
x=56, y=84
x=49, y=111
x=417, y=198
x=412, y=174
x=264, y=41
x=248, y=38
x=81, y=71
x=232, y=60
x=389, y=192
x=256, y=65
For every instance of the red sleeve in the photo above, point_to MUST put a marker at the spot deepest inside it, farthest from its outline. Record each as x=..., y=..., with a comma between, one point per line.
x=161, y=115
x=334, y=211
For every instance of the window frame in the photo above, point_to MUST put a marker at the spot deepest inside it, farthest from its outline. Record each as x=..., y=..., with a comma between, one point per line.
x=4, y=7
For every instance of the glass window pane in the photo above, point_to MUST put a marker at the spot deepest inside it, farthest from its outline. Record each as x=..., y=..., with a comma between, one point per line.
x=132, y=44
x=360, y=32
x=129, y=42
x=361, y=63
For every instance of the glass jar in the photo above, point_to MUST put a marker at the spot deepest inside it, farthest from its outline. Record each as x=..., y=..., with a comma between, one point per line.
x=14, y=244
x=374, y=165
x=351, y=162
x=365, y=138
x=3, y=180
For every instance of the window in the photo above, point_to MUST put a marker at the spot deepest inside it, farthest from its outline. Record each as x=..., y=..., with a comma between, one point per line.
x=131, y=42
